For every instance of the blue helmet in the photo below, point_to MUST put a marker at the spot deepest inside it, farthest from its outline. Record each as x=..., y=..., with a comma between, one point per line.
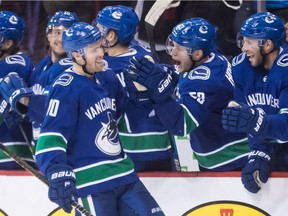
x=120, y=18
x=264, y=26
x=78, y=36
x=194, y=34
x=11, y=27
x=62, y=18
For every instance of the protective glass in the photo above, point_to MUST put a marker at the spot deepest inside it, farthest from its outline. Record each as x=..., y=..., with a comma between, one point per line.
x=2, y=39
x=170, y=45
x=239, y=40
x=56, y=30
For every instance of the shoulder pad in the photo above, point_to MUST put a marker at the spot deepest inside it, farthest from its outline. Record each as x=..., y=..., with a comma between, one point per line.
x=201, y=72
x=15, y=59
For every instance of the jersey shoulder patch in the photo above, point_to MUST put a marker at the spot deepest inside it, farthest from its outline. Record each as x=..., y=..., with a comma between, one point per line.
x=64, y=80
x=65, y=61
x=15, y=59
x=238, y=59
x=283, y=60
x=201, y=73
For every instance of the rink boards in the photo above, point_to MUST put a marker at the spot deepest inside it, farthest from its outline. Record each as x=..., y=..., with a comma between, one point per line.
x=185, y=193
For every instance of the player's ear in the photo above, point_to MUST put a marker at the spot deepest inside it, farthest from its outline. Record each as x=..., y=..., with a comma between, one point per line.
x=268, y=45
x=198, y=54
x=77, y=57
x=8, y=44
x=112, y=36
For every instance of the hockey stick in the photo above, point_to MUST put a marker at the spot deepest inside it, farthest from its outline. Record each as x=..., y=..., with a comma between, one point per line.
x=31, y=148
x=37, y=174
x=151, y=19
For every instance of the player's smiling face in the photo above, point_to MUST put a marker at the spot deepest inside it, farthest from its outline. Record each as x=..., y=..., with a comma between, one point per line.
x=252, y=50
x=180, y=56
x=55, y=40
x=94, y=57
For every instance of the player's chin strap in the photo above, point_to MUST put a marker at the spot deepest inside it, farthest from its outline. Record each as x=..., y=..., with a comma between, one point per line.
x=265, y=55
x=84, y=66
x=195, y=62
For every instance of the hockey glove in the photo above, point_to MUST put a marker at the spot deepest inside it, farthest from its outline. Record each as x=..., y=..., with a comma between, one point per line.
x=157, y=78
x=13, y=88
x=12, y=119
x=62, y=186
x=245, y=119
x=256, y=171
x=134, y=94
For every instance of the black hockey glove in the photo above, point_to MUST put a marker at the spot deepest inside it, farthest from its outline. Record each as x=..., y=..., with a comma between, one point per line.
x=136, y=93
x=156, y=77
x=62, y=186
x=245, y=119
x=13, y=88
x=12, y=119
x=257, y=171
x=4, y=108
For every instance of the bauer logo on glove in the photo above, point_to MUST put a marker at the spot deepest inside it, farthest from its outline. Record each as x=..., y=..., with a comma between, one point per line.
x=165, y=83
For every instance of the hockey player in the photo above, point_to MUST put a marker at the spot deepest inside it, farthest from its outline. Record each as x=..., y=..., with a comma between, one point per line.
x=261, y=84
x=148, y=145
x=205, y=86
x=15, y=131
x=79, y=136
x=50, y=66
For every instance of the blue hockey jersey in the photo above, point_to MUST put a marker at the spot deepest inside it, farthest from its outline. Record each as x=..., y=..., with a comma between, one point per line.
x=42, y=77
x=13, y=139
x=202, y=93
x=80, y=129
x=267, y=90
x=150, y=140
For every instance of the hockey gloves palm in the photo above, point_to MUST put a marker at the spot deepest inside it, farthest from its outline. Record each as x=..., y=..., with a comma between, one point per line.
x=62, y=186
x=134, y=94
x=245, y=119
x=256, y=171
x=13, y=88
x=159, y=82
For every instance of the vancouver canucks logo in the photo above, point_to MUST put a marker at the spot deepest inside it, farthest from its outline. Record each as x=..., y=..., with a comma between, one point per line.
x=106, y=139
x=117, y=15
x=13, y=19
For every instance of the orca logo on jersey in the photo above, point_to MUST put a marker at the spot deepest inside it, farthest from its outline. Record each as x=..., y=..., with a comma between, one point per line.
x=106, y=139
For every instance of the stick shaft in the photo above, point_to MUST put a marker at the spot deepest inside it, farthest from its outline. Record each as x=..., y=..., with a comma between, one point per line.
x=38, y=175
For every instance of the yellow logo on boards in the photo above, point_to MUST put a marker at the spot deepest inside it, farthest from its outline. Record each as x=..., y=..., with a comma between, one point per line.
x=56, y=212
x=225, y=208
x=2, y=213
x=60, y=212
